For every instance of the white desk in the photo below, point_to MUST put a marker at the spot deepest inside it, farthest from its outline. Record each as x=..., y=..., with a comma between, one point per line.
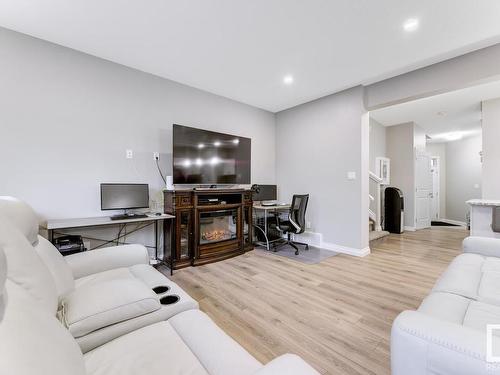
x=100, y=221
x=481, y=217
x=267, y=209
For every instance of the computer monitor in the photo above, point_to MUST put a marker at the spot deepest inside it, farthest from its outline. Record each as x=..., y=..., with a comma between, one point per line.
x=265, y=193
x=124, y=196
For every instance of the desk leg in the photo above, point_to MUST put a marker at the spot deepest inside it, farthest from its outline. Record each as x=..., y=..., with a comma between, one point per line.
x=265, y=229
x=156, y=240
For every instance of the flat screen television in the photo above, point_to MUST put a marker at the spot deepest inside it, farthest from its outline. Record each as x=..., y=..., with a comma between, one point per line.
x=206, y=157
x=124, y=196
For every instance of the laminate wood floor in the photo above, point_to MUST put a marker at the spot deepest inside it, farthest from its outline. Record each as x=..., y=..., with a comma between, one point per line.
x=337, y=314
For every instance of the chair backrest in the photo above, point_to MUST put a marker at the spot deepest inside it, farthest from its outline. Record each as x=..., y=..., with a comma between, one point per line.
x=20, y=215
x=298, y=211
x=33, y=341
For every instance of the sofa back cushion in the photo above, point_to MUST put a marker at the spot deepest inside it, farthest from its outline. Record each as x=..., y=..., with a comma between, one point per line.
x=34, y=342
x=22, y=216
x=59, y=269
x=25, y=268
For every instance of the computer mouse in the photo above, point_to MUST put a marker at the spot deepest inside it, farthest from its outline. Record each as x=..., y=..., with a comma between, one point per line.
x=158, y=214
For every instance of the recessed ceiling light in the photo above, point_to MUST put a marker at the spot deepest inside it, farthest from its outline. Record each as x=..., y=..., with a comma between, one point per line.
x=454, y=136
x=201, y=145
x=216, y=143
x=236, y=141
x=411, y=24
x=288, y=79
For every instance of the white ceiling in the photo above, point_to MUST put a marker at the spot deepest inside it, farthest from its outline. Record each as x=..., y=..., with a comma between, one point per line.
x=242, y=49
x=453, y=112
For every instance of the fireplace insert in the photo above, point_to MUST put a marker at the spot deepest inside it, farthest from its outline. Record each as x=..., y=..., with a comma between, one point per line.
x=218, y=226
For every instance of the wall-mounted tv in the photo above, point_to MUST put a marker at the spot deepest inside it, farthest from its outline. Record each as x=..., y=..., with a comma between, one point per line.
x=206, y=157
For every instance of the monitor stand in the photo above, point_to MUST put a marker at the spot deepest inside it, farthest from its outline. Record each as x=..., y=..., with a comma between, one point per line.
x=128, y=215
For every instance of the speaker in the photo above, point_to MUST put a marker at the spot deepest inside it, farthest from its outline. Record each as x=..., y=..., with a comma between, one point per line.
x=170, y=183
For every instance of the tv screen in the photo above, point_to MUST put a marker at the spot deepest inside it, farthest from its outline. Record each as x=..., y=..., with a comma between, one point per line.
x=206, y=157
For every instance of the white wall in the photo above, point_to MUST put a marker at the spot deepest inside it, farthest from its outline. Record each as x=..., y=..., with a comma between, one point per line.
x=491, y=148
x=400, y=149
x=463, y=174
x=67, y=118
x=439, y=149
x=318, y=143
x=377, y=142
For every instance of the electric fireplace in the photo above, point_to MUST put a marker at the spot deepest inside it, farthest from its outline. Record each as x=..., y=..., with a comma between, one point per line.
x=218, y=226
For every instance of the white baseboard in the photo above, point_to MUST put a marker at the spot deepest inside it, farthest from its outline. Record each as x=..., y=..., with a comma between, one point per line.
x=456, y=222
x=316, y=239
x=410, y=229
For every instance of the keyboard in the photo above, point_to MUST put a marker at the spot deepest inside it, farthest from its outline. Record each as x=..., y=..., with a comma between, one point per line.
x=129, y=216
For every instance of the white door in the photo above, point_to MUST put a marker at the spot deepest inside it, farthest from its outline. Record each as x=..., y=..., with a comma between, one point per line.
x=435, y=170
x=423, y=190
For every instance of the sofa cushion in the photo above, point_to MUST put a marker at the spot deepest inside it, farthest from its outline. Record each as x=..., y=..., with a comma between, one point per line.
x=218, y=353
x=472, y=276
x=59, y=269
x=25, y=267
x=153, y=350
x=32, y=341
x=460, y=310
x=94, y=306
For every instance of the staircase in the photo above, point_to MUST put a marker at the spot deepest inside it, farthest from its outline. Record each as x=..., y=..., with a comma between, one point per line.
x=375, y=209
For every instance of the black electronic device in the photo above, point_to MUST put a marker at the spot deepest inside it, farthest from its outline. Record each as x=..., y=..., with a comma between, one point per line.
x=69, y=244
x=124, y=197
x=207, y=157
x=267, y=193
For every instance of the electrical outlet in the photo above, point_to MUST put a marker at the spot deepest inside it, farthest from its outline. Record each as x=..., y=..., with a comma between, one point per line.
x=351, y=175
x=308, y=225
x=156, y=156
x=129, y=154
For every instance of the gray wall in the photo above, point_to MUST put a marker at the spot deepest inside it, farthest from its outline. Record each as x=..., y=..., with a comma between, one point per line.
x=400, y=149
x=377, y=142
x=463, y=171
x=67, y=119
x=439, y=149
x=491, y=149
x=318, y=143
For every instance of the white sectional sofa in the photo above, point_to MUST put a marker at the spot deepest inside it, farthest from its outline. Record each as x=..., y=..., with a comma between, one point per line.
x=95, y=313
x=447, y=334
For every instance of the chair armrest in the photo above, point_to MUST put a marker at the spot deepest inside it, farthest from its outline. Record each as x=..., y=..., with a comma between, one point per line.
x=288, y=364
x=486, y=246
x=421, y=343
x=108, y=258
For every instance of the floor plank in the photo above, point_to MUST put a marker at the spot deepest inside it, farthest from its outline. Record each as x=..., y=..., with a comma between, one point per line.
x=337, y=314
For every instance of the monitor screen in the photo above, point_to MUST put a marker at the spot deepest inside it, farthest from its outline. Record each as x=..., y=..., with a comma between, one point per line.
x=266, y=193
x=124, y=196
x=206, y=157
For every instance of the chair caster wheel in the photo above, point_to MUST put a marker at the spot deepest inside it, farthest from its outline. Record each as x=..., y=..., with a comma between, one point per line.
x=296, y=252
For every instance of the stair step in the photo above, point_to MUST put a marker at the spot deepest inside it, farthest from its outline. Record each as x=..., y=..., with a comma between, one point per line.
x=378, y=234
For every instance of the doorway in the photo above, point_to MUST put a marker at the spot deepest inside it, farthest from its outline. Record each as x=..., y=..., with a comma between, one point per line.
x=435, y=197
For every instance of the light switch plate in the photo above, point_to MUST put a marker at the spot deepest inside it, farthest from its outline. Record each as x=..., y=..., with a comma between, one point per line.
x=351, y=175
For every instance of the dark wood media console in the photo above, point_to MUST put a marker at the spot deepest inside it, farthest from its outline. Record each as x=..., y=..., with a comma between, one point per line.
x=210, y=225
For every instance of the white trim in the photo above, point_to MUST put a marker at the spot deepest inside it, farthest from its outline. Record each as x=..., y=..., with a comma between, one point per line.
x=345, y=249
x=456, y=222
x=410, y=229
x=316, y=239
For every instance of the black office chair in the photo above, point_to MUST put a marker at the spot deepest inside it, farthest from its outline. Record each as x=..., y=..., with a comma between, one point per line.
x=296, y=222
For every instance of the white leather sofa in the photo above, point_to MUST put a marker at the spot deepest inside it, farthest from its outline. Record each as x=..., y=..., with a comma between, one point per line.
x=447, y=334
x=33, y=340
x=99, y=295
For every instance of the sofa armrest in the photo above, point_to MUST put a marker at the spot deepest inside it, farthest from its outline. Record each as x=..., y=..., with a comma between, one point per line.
x=108, y=258
x=486, y=246
x=422, y=344
x=289, y=364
